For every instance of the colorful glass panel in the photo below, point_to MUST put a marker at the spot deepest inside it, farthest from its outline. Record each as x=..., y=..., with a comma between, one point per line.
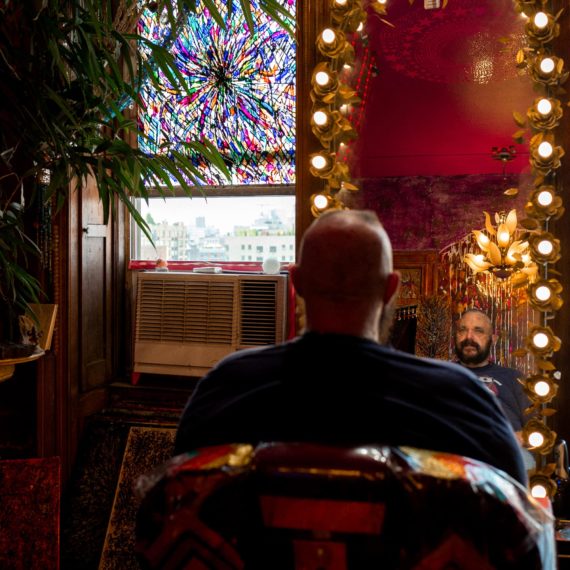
x=240, y=94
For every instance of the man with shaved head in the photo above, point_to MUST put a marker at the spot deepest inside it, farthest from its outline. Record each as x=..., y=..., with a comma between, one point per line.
x=473, y=342
x=338, y=383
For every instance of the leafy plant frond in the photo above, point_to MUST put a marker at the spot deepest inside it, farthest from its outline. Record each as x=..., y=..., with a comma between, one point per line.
x=70, y=73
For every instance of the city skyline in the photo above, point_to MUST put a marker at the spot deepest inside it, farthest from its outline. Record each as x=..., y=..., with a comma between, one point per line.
x=269, y=224
x=224, y=213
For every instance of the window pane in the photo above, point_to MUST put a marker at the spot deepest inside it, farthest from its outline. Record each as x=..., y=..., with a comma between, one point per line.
x=240, y=94
x=218, y=229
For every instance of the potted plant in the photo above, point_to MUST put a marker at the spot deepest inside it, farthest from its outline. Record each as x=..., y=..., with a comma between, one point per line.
x=70, y=72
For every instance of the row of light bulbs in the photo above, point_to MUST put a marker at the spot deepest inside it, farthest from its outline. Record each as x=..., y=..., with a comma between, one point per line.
x=543, y=117
x=333, y=98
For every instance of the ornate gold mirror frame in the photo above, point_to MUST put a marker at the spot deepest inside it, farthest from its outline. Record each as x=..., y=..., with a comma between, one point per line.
x=330, y=95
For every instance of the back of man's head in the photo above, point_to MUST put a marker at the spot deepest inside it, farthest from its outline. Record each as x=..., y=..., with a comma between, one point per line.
x=345, y=254
x=345, y=261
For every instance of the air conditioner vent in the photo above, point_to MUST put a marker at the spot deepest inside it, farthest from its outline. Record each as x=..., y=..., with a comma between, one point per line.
x=209, y=312
x=258, y=317
x=186, y=322
x=185, y=311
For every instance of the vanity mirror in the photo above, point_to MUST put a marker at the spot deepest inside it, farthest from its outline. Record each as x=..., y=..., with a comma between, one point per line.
x=459, y=107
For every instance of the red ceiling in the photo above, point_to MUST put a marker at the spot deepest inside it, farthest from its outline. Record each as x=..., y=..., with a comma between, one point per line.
x=445, y=90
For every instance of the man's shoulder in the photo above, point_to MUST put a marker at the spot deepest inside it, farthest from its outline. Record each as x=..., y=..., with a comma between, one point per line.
x=502, y=371
x=361, y=353
x=436, y=367
x=246, y=355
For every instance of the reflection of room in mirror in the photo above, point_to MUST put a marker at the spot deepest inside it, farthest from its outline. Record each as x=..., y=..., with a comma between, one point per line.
x=506, y=305
x=442, y=99
x=445, y=90
x=432, y=212
x=410, y=286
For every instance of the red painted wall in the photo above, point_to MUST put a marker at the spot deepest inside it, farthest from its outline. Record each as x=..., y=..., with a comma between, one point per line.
x=444, y=91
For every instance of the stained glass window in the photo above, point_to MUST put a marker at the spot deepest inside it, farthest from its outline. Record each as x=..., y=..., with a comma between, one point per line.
x=240, y=94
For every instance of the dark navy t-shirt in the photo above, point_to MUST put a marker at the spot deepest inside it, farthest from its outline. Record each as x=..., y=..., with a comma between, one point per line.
x=503, y=382
x=347, y=390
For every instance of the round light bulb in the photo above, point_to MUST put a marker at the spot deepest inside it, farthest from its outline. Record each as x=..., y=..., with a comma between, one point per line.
x=541, y=388
x=347, y=66
x=320, y=118
x=344, y=109
x=543, y=293
x=545, y=247
x=320, y=201
x=360, y=27
x=319, y=161
x=483, y=239
x=540, y=340
x=328, y=36
x=382, y=1
x=322, y=78
x=545, y=198
x=545, y=149
x=547, y=65
x=540, y=20
x=340, y=2
x=503, y=237
x=535, y=439
x=538, y=491
x=544, y=106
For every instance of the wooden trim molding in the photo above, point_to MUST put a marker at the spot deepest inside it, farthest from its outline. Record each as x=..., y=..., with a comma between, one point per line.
x=311, y=18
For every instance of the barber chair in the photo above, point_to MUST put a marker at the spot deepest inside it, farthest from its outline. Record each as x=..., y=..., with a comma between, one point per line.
x=285, y=506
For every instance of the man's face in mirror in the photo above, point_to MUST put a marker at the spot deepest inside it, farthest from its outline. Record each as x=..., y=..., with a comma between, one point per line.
x=473, y=338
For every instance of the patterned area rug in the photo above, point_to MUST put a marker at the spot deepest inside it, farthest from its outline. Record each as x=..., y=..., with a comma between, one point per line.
x=147, y=447
x=91, y=493
x=29, y=514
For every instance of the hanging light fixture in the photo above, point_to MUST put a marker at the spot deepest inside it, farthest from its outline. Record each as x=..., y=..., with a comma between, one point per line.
x=502, y=254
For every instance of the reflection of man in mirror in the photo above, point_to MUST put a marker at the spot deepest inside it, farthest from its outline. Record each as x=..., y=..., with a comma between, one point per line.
x=473, y=340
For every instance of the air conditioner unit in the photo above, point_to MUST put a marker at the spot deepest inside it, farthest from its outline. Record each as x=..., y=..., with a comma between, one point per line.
x=186, y=322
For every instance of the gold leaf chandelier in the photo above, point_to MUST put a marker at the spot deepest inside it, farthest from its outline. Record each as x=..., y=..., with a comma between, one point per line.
x=502, y=254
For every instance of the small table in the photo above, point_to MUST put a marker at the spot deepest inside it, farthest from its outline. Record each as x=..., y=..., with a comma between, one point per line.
x=8, y=365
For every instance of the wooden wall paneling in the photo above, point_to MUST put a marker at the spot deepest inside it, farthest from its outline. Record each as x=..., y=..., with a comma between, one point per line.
x=69, y=394
x=82, y=338
x=95, y=291
x=46, y=406
x=119, y=317
x=129, y=320
x=126, y=280
x=51, y=373
x=66, y=338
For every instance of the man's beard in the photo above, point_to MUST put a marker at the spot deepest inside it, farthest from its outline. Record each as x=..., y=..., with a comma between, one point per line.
x=481, y=355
